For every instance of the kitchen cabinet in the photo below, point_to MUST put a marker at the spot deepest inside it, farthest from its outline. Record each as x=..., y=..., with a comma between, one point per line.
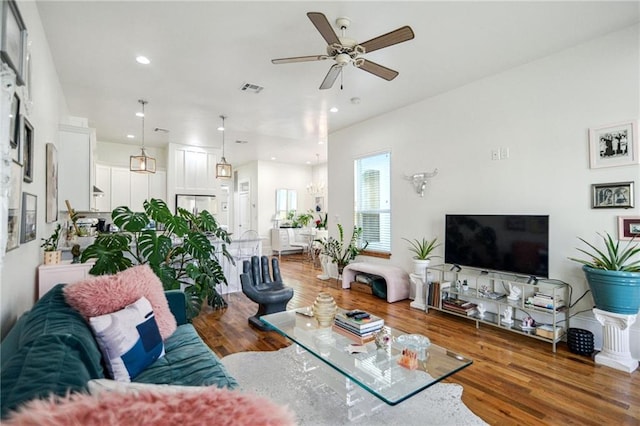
x=123, y=187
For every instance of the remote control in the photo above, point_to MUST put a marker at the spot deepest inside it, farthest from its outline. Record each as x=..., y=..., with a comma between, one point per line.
x=361, y=315
x=352, y=314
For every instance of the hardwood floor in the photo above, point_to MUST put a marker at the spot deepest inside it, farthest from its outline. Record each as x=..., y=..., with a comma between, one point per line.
x=513, y=379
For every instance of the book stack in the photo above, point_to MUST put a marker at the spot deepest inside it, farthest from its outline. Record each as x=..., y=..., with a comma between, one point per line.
x=459, y=306
x=546, y=301
x=361, y=330
x=435, y=290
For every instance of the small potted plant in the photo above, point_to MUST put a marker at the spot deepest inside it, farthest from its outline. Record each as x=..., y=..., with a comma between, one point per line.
x=422, y=250
x=51, y=253
x=613, y=275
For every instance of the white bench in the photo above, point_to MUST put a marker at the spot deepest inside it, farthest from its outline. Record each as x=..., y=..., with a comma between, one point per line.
x=397, y=279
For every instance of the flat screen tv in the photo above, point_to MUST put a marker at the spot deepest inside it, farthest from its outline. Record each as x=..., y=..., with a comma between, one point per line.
x=508, y=243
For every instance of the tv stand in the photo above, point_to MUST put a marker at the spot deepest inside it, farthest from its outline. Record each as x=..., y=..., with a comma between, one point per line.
x=546, y=301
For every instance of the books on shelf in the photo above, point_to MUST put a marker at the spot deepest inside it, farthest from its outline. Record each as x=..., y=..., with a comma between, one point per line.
x=459, y=306
x=546, y=301
x=363, y=325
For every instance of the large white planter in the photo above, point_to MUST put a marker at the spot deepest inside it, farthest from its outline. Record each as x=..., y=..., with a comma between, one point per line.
x=420, y=268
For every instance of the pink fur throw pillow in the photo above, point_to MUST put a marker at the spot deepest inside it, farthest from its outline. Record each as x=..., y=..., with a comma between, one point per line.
x=104, y=294
x=212, y=406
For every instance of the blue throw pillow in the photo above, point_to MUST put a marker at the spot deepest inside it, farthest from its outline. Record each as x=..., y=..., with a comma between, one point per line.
x=129, y=339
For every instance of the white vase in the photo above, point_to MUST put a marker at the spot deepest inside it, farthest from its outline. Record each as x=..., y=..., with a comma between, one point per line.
x=324, y=263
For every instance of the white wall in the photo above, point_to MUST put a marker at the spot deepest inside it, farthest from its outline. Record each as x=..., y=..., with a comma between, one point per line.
x=541, y=112
x=18, y=280
x=270, y=176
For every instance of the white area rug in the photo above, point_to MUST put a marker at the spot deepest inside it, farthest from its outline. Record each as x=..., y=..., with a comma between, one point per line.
x=279, y=375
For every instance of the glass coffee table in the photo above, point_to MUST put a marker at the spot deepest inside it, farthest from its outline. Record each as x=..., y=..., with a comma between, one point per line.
x=377, y=371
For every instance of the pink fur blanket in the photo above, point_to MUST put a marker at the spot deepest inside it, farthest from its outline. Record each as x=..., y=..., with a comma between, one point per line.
x=212, y=406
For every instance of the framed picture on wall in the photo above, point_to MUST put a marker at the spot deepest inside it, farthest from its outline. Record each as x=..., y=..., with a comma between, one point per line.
x=628, y=227
x=27, y=150
x=14, y=115
x=29, y=215
x=52, y=183
x=14, y=214
x=614, y=145
x=13, y=45
x=612, y=195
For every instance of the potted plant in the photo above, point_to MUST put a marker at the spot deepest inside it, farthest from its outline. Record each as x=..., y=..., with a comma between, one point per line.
x=422, y=250
x=613, y=275
x=51, y=253
x=181, y=255
x=335, y=248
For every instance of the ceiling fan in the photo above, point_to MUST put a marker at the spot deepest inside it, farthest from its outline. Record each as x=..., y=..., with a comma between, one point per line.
x=346, y=51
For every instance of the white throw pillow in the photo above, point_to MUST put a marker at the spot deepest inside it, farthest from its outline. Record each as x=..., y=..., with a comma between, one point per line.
x=129, y=339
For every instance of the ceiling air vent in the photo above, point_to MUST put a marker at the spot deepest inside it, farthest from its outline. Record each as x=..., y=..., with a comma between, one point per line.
x=251, y=88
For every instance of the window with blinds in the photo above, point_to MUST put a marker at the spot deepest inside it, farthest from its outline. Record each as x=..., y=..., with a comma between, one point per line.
x=373, y=200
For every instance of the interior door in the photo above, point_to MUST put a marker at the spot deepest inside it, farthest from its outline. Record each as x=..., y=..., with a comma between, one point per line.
x=244, y=207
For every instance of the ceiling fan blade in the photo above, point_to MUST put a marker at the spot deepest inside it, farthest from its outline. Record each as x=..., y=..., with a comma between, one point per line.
x=331, y=77
x=389, y=39
x=299, y=59
x=378, y=70
x=324, y=27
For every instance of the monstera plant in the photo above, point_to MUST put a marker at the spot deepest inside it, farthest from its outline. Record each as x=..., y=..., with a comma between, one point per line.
x=181, y=255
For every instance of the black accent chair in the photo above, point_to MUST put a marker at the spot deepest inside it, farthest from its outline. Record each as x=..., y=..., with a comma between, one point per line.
x=267, y=290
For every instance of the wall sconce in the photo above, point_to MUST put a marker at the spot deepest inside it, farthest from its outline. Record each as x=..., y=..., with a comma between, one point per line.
x=420, y=180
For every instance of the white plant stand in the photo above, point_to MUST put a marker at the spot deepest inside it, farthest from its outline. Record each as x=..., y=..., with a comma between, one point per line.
x=419, y=302
x=616, y=351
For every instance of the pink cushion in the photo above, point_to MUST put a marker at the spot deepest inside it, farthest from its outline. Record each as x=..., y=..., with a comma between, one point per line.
x=212, y=406
x=105, y=294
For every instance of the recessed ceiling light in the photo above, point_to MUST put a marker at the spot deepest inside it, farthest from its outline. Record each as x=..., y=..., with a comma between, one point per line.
x=220, y=128
x=143, y=60
x=139, y=114
x=273, y=158
x=130, y=136
x=320, y=142
x=308, y=162
x=334, y=109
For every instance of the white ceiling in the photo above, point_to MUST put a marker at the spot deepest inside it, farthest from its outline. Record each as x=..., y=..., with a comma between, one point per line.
x=202, y=53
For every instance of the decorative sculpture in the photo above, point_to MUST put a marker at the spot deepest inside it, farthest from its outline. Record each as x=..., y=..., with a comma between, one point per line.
x=420, y=180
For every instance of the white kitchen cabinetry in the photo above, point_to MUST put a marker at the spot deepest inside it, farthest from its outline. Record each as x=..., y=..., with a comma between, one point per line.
x=194, y=168
x=120, y=187
x=75, y=167
x=123, y=187
x=65, y=272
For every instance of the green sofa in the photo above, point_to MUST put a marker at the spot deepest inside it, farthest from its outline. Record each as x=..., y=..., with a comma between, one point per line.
x=51, y=349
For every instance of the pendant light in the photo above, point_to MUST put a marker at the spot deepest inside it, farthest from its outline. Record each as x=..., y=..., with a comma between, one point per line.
x=223, y=169
x=142, y=163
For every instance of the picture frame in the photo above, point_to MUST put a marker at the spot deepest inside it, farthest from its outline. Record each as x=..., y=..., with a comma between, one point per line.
x=27, y=150
x=628, y=227
x=14, y=121
x=14, y=213
x=28, y=228
x=612, y=195
x=614, y=145
x=319, y=202
x=13, y=44
x=52, y=183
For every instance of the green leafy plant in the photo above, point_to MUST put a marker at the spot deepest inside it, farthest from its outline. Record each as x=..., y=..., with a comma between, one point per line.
x=422, y=248
x=336, y=250
x=181, y=256
x=321, y=223
x=304, y=219
x=614, y=259
x=51, y=243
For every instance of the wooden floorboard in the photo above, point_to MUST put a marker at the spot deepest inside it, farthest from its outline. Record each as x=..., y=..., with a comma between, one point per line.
x=513, y=380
